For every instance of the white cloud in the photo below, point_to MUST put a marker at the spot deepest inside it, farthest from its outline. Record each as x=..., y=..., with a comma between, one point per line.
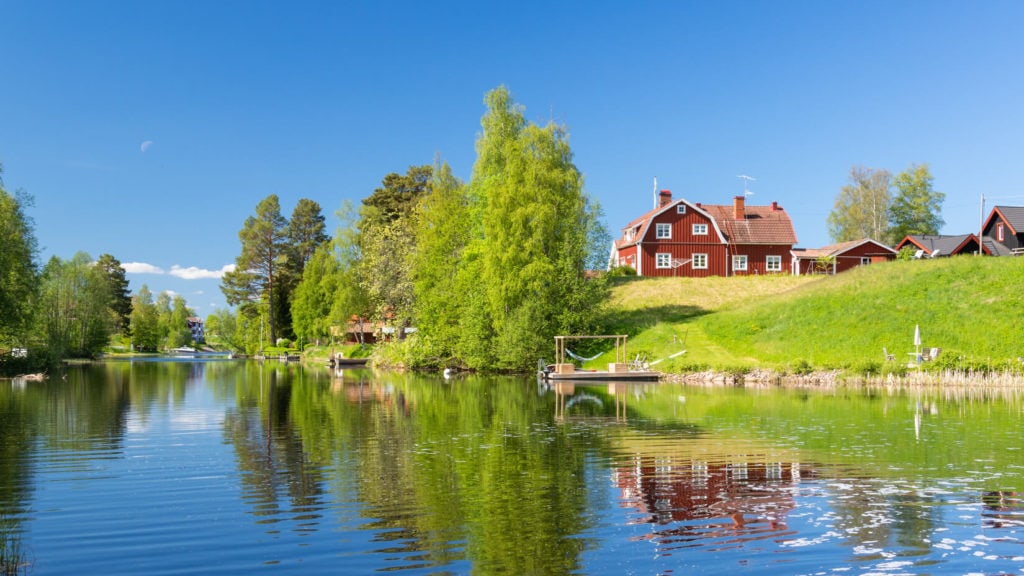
x=193, y=273
x=141, y=268
x=145, y=146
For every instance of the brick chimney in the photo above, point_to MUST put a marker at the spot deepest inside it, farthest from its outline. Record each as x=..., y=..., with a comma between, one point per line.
x=775, y=206
x=664, y=198
x=739, y=207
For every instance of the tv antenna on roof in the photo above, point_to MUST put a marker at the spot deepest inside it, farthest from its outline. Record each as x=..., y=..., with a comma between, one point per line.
x=746, y=180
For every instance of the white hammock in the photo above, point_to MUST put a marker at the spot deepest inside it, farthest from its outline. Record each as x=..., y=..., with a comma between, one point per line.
x=581, y=358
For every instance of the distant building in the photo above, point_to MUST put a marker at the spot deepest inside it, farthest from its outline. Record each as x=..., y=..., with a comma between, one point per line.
x=840, y=257
x=935, y=245
x=195, y=325
x=1003, y=231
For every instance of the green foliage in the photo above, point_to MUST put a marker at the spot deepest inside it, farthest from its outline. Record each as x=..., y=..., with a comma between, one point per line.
x=906, y=253
x=387, y=240
x=305, y=234
x=144, y=322
x=861, y=208
x=313, y=297
x=117, y=285
x=18, y=273
x=536, y=224
x=442, y=232
x=259, y=267
x=621, y=271
x=916, y=207
x=178, y=333
x=74, y=317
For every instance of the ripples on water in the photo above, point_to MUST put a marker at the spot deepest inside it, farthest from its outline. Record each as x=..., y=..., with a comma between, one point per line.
x=313, y=476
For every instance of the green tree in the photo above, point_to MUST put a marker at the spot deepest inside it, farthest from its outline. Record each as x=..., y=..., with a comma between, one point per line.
x=120, y=297
x=350, y=300
x=442, y=234
x=258, y=267
x=916, y=207
x=179, y=333
x=314, y=296
x=397, y=197
x=305, y=234
x=18, y=272
x=163, y=314
x=386, y=241
x=74, y=307
x=144, y=321
x=861, y=209
x=536, y=224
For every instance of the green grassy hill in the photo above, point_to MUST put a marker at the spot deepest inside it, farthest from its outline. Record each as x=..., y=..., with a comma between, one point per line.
x=972, y=308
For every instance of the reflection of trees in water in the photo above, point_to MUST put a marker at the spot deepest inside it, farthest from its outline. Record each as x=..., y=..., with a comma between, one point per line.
x=446, y=473
x=15, y=477
x=277, y=479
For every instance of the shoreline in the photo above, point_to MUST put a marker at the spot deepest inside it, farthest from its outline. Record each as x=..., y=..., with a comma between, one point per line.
x=838, y=379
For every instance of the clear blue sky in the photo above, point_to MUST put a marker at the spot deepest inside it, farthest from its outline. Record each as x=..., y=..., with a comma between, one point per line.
x=150, y=130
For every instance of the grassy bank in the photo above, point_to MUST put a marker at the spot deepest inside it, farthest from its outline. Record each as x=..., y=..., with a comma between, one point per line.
x=970, y=307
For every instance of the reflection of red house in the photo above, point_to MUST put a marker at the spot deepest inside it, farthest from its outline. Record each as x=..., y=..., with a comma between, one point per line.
x=840, y=257
x=685, y=491
x=681, y=238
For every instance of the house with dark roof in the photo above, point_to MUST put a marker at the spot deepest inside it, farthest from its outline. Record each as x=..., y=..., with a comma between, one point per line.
x=937, y=245
x=840, y=257
x=683, y=238
x=1003, y=231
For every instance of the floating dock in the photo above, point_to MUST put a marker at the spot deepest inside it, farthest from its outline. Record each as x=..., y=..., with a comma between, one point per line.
x=618, y=371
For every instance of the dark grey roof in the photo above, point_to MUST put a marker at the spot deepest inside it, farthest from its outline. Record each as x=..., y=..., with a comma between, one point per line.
x=997, y=248
x=945, y=245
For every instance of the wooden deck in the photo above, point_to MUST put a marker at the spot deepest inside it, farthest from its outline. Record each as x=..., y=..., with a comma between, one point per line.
x=604, y=376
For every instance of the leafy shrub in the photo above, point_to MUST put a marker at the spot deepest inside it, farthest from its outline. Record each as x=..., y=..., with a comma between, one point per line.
x=621, y=271
x=799, y=367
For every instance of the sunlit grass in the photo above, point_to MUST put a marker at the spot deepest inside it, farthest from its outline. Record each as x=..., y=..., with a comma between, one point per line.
x=972, y=308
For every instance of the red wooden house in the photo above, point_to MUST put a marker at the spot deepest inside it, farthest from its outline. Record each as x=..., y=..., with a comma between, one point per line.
x=681, y=238
x=840, y=257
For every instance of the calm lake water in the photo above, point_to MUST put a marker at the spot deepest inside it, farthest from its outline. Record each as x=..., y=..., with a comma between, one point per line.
x=235, y=467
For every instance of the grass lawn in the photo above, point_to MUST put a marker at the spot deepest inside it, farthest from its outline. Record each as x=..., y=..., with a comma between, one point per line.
x=972, y=308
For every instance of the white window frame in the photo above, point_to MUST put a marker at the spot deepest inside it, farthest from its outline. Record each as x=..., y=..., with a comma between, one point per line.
x=700, y=229
x=773, y=263
x=662, y=260
x=663, y=231
x=680, y=208
x=700, y=262
x=865, y=260
x=739, y=262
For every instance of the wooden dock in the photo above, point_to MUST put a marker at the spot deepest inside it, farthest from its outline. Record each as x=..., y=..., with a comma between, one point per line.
x=618, y=371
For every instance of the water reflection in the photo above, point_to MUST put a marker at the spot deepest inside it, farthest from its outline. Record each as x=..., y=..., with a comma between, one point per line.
x=249, y=464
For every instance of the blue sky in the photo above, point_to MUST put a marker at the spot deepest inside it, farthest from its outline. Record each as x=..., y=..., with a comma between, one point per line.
x=150, y=130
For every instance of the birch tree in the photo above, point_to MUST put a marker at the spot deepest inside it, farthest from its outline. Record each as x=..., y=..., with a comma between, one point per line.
x=861, y=209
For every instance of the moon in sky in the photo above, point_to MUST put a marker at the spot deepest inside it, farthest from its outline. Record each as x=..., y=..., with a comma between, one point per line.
x=145, y=146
